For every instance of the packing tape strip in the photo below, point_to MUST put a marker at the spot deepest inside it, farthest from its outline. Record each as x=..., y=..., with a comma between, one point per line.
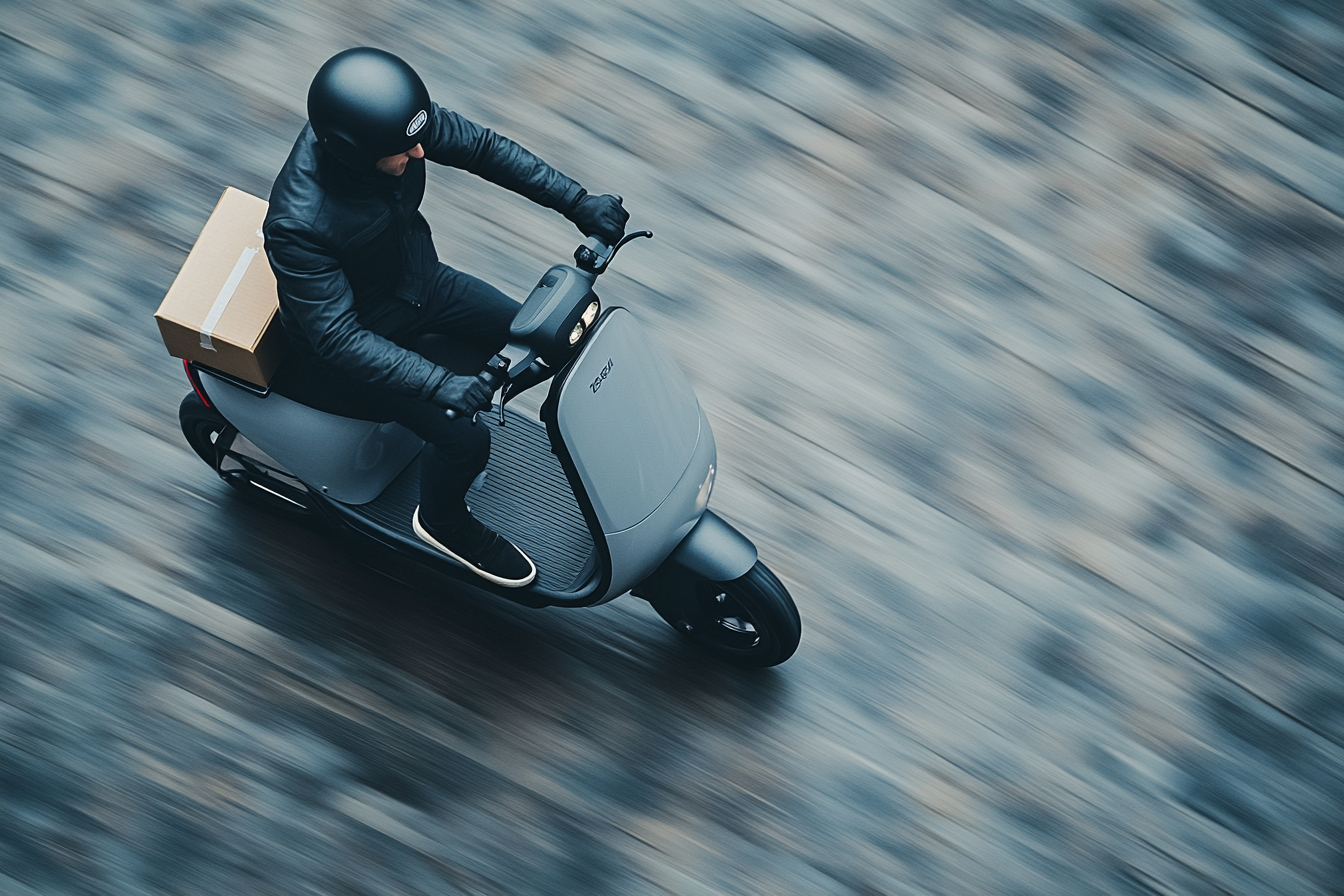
x=222, y=300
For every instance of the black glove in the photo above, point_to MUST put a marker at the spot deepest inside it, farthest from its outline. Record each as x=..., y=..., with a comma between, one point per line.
x=463, y=395
x=601, y=216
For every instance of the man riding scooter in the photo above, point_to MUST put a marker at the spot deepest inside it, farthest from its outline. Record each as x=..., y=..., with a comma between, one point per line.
x=360, y=282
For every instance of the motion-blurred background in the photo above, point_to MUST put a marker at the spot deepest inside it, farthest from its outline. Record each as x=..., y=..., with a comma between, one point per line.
x=1020, y=326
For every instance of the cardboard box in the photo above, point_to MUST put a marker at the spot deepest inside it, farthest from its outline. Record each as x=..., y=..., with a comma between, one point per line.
x=222, y=309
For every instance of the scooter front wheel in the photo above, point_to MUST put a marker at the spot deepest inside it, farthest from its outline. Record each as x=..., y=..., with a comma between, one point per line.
x=750, y=621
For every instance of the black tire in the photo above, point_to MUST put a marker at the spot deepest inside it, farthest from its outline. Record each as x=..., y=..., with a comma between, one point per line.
x=212, y=437
x=750, y=621
x=206, y=430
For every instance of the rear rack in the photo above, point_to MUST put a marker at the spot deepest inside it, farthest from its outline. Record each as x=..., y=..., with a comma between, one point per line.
x=194, y=367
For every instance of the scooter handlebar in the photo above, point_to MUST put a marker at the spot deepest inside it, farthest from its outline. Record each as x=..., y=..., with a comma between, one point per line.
x=496, y=372
x=495, y=375
x=594, y=255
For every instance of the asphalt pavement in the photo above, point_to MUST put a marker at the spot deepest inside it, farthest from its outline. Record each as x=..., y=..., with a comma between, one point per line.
x=1021, y=330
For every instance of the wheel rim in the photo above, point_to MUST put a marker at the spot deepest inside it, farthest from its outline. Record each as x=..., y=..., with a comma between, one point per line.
x=724, y=620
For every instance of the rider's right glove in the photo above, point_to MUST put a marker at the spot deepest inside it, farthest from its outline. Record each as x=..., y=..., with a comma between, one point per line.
x=464, y=395
x=601, y=216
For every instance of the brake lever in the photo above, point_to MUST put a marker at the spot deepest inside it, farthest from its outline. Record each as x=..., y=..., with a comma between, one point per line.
x=596, y=256
x=476, y=415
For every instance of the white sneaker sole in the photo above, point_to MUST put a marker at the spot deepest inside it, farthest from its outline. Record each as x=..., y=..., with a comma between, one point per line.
x=430, y=540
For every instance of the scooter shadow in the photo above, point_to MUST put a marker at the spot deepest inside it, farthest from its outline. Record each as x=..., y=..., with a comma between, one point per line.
x=329, y=591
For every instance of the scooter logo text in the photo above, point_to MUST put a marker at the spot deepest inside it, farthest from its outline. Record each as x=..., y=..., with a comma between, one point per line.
x=600, y=378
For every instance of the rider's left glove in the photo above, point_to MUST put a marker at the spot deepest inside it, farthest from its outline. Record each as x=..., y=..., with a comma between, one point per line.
x=463, y=395
x=601, y=216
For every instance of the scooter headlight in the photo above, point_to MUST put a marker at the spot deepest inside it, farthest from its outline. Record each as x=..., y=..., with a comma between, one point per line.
x=585, y=321
x=702, y=497
x=590, y=313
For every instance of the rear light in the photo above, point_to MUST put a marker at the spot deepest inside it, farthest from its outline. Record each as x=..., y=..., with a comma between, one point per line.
x=195, y=379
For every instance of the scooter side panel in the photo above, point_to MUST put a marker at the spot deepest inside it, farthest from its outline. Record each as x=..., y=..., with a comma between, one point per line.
x=348, y=460
x=630, y=421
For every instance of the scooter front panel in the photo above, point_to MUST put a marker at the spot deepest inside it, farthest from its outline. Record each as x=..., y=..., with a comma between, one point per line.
x=637, y=551
x=629, y=420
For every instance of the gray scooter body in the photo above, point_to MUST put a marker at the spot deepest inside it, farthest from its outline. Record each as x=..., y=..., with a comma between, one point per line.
x=634, y=443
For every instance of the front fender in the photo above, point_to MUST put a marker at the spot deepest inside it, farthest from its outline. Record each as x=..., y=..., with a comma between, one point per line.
x=715, y=550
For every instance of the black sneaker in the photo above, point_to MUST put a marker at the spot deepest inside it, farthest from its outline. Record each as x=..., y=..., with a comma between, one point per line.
x=483, y=551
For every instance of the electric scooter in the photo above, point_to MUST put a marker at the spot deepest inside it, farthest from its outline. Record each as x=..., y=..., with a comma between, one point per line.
x=606, y=487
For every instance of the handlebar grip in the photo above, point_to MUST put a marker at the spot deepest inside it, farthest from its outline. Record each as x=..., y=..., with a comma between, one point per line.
x=496, y=372
x=495, y=375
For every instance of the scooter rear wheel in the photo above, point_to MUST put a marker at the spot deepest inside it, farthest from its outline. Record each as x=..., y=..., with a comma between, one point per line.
x=750, y=621
x=212, y=437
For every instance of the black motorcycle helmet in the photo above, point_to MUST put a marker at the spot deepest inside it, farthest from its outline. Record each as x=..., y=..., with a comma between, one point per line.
x=366, y=104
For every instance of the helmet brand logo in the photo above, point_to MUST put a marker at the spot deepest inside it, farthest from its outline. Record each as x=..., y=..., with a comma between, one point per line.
x=417, y=123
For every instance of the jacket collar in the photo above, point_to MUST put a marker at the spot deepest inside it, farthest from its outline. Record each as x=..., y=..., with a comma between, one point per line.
x=336, y=176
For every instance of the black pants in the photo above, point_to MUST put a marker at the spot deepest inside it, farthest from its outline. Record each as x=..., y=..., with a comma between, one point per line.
x=471, y=320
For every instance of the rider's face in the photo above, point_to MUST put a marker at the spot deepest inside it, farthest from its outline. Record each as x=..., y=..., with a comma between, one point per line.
x=396, y=165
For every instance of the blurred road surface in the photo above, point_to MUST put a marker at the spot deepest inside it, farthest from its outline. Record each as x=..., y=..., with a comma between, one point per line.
x=1021, y=328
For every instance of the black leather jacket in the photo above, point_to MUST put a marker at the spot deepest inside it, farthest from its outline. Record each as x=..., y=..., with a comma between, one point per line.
x=342, y=242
